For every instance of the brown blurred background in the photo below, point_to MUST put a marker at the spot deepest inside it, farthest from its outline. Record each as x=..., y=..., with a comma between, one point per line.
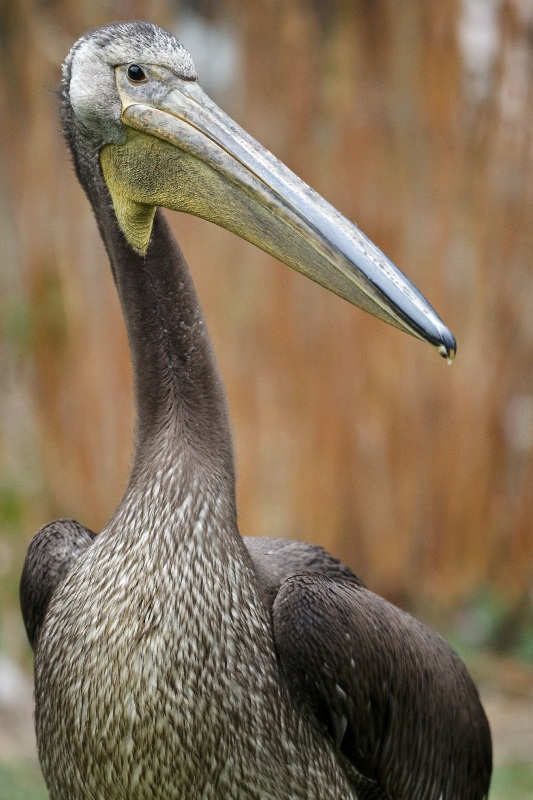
x=415, y=119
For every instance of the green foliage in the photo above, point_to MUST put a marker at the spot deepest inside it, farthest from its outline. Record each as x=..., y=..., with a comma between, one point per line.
x=21, y=781
x=13, y=500
x=49, y=321
x=512, y=782
x=15, y=323
x=492, y=622
x=11, y=507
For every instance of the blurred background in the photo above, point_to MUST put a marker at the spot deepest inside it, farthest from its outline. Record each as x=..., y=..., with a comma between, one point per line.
x=416, y=121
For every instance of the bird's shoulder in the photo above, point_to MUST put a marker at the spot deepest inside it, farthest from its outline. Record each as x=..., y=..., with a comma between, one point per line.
x=52, y=553
x=276, y=560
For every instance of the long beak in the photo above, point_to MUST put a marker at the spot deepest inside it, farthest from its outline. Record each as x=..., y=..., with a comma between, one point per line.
x=244, y=188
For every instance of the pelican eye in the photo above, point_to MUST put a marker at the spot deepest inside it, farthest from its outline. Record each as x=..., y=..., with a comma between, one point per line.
x=136, y=73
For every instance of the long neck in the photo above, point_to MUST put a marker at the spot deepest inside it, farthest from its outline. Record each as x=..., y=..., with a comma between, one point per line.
x=181, y=407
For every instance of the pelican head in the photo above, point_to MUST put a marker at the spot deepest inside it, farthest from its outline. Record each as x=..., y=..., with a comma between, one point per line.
x=132, y=99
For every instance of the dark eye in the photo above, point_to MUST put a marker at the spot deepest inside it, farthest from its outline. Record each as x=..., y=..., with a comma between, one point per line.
x=135, y=73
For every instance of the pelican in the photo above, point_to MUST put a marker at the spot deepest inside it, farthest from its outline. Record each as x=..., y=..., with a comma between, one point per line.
x=173, y=658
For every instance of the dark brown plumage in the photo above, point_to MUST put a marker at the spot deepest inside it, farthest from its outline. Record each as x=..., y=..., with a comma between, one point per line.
x=53, y=551
x=173, y=658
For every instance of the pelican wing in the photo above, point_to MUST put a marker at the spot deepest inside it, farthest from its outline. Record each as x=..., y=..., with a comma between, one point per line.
x=398, y=703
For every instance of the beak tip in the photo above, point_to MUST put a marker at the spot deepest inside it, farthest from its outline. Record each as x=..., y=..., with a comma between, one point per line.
x=448, y=346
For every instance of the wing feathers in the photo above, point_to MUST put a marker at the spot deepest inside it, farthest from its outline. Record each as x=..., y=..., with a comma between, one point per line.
x=414, y=722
